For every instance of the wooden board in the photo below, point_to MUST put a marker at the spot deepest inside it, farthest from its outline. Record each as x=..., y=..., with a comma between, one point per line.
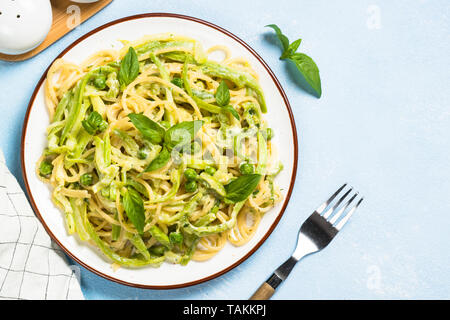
x=63, y=20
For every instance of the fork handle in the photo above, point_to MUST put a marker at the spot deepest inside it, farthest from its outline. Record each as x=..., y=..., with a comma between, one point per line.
x=267, y=289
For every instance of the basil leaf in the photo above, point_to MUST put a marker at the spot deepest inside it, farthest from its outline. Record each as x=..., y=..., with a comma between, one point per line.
x=288, y=49
x=283, y=39
x=129, y=68
x=304, y=63
x=291, y=49
x=239, y=189
x=223, y=99
x=160, y=161
x=182, y=134
x=231, y=110
x=222, y=94
x=309, y=70
x=134, y=208
x=150, y=129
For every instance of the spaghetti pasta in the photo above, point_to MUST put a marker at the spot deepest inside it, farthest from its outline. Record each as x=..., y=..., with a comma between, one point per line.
x=156, y=153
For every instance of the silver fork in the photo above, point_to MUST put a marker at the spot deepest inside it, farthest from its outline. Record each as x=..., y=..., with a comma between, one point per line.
x=314, y=235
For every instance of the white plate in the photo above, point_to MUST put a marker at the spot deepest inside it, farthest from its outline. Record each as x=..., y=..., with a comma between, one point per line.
x=167, y=276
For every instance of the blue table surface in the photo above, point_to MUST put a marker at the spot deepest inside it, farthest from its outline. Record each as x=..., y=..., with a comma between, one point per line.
x=382, y=124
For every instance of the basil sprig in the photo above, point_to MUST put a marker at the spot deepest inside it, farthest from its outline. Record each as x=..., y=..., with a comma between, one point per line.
x=134, y=208
x=129, y=68
x=304, y=64
x=240, y=188
x=223, y=99
x=176, y=137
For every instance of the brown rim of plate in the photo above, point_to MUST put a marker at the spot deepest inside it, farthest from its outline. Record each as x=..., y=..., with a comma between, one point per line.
x=280, y=89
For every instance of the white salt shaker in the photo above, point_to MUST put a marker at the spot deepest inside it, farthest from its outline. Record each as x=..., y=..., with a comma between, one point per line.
x=24, y=24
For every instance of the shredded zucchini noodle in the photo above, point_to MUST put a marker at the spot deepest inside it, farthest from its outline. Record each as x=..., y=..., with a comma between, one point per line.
x=156, y=153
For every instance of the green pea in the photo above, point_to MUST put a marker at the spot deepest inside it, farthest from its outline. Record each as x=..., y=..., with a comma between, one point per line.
x=87, y=179
x=178, y=82
x=176, y=237
x=210, y=170
x=190, y=174
x=157, y=250
x=247, y=168
x=45, y=168
x=143, y=153
x=190, y=186
x=76, y=185
x=100, y=82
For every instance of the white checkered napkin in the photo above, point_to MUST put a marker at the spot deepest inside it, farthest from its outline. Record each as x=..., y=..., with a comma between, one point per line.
x=31, y=265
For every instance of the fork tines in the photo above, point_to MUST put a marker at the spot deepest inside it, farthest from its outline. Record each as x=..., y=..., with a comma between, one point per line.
x=332, y=213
